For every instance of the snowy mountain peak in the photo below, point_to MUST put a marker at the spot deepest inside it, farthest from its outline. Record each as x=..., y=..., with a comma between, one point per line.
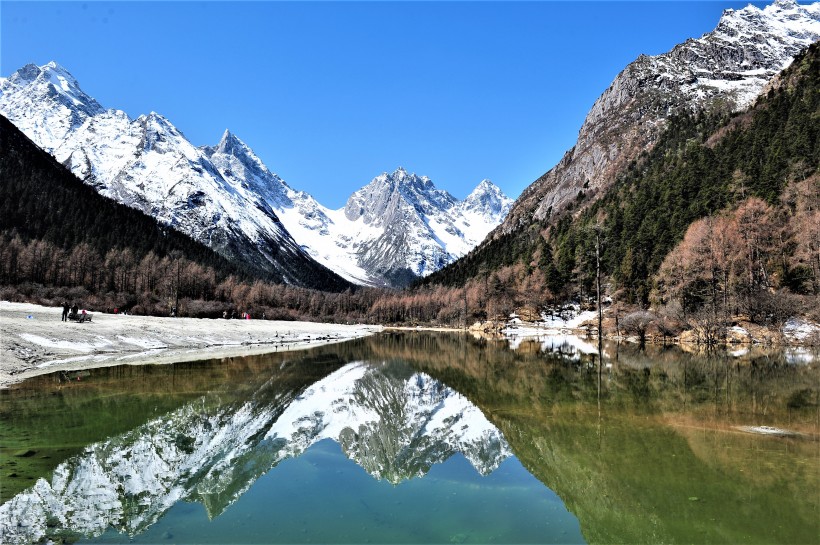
x=387, y=193
x=235, y=159
x=488, y=199
x=484, y=187
x=34, y=94
x=406, y=227
x=231, y=144
x=64, y=84
x=148, y=164
x=782, y=20
x=26, y=74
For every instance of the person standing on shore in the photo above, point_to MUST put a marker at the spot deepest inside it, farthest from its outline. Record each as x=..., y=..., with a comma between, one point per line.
x=65, y=311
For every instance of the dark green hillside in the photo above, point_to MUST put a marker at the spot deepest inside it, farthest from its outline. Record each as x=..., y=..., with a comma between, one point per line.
x=701, y=166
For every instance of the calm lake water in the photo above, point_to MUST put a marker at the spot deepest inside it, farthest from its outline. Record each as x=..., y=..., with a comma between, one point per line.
x=420, y=438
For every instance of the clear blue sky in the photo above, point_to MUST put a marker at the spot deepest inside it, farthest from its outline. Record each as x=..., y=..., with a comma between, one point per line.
x=330, y=95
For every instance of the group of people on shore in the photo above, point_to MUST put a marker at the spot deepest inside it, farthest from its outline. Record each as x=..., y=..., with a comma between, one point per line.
x=71, y=312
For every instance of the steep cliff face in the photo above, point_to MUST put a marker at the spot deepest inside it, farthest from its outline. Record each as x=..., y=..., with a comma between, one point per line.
x=725, y=69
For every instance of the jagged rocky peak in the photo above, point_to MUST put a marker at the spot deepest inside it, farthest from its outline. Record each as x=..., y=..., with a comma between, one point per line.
x=26, y=74
x=160, y=135
x=389, y=191
x=148, y=164
x=238, y=163
x=488, y=198
x=233, y=146
x=58, y=81
x=227, y=198
x=230, y=144
x=46, y=103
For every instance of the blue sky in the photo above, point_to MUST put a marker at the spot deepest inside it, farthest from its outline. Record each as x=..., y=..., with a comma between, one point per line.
x=331, y=94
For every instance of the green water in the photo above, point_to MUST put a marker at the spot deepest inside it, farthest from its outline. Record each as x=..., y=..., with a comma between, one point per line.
x=419, y=438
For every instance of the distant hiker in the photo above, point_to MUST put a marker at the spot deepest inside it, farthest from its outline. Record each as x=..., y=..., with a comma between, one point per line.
x=224, y=314
x=75, y=309
x=65, y=311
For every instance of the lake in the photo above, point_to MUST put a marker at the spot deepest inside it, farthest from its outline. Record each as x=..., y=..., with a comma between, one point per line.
x=413, y=437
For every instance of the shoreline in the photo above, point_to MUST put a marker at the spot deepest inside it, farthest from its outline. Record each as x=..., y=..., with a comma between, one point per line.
x=34, y=341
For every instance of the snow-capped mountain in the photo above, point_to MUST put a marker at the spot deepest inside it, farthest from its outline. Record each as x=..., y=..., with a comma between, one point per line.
x=225, y=197
x=396, y=228
x=724, y=69
x=213, y=455
x=148, y=164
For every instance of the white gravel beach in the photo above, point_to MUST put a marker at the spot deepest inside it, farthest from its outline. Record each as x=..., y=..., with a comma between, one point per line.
x=34, y=340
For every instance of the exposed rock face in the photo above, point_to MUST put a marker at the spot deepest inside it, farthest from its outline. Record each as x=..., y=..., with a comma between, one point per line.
x=724, y=69
x=396, y=228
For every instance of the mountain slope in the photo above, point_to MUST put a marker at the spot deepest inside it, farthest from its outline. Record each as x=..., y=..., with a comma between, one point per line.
x=401, y=226
x=394, y=229
x=42, y=200
x=701, y=166
x=723, y=70
x=148, y=164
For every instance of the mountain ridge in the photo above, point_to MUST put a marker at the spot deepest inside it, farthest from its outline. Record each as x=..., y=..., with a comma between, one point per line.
x=225, y=196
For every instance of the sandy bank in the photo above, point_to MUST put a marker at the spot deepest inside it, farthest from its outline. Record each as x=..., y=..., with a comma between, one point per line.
x=34, y=341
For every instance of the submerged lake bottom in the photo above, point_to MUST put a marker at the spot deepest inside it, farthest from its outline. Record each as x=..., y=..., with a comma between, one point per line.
x=413, y=437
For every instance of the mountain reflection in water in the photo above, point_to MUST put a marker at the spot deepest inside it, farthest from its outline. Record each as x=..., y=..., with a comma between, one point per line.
x=394, y=422
x=655, y=448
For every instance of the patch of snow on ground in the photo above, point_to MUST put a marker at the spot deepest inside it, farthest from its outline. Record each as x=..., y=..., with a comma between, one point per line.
x=142, y=342
x=567, y=319
x=65, y=345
